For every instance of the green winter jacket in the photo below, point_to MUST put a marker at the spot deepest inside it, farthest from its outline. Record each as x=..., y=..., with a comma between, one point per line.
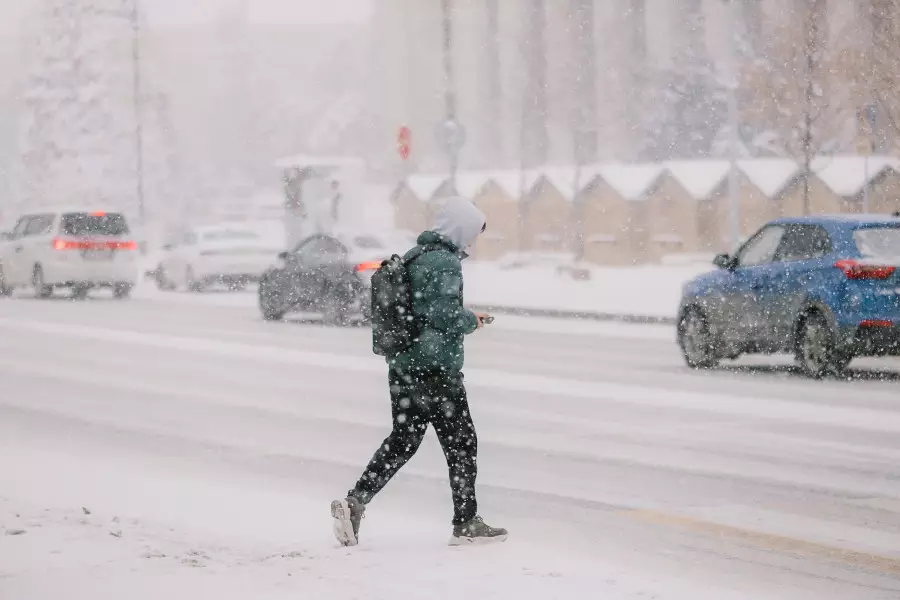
x=436, y=278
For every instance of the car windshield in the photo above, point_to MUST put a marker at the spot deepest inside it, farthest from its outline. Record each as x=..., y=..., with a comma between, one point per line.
x=99, y=223
x=368, y=243
x=225, y=235
x=878, y=242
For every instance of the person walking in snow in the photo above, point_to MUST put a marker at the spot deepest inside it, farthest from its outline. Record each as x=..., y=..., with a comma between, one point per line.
x=426, y=380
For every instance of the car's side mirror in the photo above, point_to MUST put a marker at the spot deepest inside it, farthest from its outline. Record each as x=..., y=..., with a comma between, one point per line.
x=283, y=255
x=723, y=261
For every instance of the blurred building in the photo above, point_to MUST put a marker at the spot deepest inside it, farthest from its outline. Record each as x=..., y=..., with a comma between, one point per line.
x=644, y=212
x=571, y=81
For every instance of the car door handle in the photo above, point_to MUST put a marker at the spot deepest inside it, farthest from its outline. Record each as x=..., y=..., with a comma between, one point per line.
x=757, y=285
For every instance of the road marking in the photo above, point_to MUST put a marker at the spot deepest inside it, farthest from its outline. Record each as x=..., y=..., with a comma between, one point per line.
x=771, y=541
x=767, y=409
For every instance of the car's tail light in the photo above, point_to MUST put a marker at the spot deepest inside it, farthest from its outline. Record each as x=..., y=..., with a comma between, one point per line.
x=876, y=323
x=856, y=270
x=63, y=244
x=129, y=245
x=367, y=266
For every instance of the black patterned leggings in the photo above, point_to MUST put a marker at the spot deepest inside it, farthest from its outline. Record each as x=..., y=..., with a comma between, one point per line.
x=418, y=399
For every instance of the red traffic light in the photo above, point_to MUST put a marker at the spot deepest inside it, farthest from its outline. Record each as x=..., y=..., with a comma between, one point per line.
x=404, y=141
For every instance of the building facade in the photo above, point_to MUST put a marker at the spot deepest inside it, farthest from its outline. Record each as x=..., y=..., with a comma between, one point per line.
x=542, y=82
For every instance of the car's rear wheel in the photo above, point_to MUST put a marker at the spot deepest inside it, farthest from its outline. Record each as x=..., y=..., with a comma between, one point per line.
x=235, y=284
x=697, y=342
x=365, y=308
x=191, y=281
x=162, y=281
x=816, y=349
x=122, y=291
x=336, y=312
x=5, y=290
x=271, y=305
x=80, y=291
x=41, y=289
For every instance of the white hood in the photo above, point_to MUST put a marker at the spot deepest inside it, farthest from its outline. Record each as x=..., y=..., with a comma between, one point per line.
x=459, y=220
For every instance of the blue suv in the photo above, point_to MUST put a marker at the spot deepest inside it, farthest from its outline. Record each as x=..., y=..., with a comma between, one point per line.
x=826, y=289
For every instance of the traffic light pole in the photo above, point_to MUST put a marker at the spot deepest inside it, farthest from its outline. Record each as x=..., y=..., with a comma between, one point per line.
x=734, y=199
x=138, y=107
x=451, y=149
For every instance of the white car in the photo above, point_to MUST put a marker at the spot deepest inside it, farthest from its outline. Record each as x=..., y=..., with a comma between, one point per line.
x=77, y=249
x=231, y=255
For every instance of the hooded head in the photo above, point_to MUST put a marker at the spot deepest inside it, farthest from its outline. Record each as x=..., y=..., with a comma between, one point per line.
x=459, y=220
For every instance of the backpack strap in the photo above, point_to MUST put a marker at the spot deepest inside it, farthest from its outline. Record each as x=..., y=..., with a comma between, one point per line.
x=419, y=251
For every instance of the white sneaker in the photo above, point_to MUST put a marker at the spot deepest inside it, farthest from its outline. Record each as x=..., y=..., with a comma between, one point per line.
x=347, y=513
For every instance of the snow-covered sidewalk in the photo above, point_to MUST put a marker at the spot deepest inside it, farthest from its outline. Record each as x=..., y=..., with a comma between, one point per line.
x=642, y=293
x=115, y=528
x=651, y=292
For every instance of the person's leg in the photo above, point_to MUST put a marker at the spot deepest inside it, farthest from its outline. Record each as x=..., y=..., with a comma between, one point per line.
x=449, y=414
x=409, y=425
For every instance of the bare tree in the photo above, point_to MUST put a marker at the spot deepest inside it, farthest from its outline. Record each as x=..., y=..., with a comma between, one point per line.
x=813, y=94
x=583, y=116
x=535, y=136
x=76, y=138
x=803, y=95
x=884, y=50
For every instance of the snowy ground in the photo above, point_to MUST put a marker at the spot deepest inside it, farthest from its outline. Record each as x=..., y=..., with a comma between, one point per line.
x=175, y=446
x=642, y=290
x=646, y=291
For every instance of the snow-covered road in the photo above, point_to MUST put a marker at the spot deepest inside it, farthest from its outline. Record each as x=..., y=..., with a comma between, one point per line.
x=206, y=445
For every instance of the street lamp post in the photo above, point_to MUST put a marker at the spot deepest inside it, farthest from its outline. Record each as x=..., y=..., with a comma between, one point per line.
x=870, y=114
x=734, y=206
x=450, y=132
x=138, y=107
x=866, y=183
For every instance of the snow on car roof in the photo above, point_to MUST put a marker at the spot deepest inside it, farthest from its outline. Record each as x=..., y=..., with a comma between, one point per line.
x=842, y=219
x=363, y=238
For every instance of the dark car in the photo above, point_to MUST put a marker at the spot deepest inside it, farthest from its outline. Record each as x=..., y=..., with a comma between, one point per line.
x=826, y=289
x=327, y=275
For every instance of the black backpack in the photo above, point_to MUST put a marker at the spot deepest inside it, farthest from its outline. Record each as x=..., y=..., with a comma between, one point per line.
x=394, y=326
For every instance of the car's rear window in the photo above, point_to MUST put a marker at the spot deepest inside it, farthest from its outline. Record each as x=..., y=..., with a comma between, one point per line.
x=368, y=242
x=229, y=234
x=878, y=242
x=87, y=224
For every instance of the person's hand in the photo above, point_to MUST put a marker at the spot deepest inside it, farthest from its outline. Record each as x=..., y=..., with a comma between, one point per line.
x=481, y=317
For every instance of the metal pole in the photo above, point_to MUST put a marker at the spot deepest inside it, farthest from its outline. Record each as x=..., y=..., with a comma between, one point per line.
x=866, y=183
x=138, y=107
x=449, y=91
x=734, y=200
x=811, y=47
x=870, y=118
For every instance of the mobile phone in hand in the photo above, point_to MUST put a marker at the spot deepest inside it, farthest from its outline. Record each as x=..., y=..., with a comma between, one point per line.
x=487, y=320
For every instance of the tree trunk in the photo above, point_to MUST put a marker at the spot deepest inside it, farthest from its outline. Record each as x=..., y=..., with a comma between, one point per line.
x=813, y=29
